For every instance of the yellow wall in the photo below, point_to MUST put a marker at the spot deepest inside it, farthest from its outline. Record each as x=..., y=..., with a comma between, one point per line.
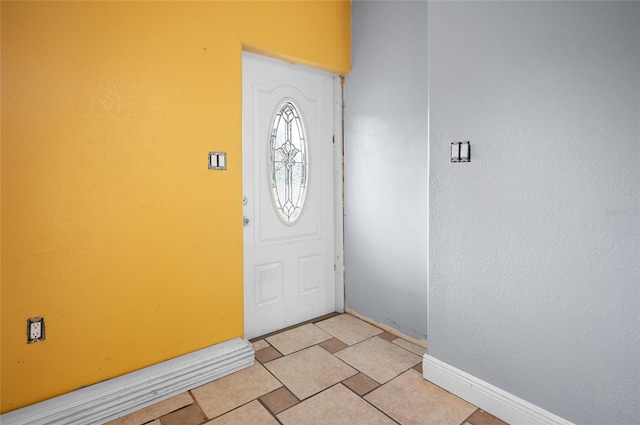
x=113, y=229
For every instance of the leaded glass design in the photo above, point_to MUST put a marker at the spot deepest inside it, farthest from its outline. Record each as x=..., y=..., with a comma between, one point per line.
x=288, y=162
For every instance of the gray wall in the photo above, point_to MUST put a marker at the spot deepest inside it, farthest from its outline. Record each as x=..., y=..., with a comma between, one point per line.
x=535, y=245
x=386, y=162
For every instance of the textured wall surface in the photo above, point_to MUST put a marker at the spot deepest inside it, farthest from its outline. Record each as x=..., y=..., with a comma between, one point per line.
x=386, y=159
x=535, y=244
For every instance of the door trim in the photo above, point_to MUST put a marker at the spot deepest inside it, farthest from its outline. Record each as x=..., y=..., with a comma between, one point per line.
x=338, y=189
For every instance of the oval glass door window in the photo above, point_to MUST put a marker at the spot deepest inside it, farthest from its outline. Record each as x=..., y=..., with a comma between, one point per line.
x=288, y=162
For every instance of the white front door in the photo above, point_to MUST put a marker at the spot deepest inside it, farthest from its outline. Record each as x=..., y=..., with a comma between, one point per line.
x=287, y=148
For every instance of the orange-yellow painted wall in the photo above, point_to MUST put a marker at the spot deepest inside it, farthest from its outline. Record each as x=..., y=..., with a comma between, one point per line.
x=113, y=228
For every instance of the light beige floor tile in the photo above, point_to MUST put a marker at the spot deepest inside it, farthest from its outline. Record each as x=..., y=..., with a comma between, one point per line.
x=335, y=406
x=348, y=329
x=224, y=394
x=410, y=399
x=416, y=349
x=259, y=345
x=252, y=413
x=298, y=338
x=379, y=359
x=309, y=371
x=154, y=411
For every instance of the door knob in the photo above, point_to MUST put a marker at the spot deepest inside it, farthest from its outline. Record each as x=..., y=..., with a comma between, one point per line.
x=245, y=221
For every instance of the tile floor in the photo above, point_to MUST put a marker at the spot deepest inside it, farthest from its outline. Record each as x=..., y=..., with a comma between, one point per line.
x=339, y=370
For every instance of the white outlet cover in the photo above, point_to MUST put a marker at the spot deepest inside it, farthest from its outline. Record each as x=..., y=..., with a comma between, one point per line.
x=36, y=330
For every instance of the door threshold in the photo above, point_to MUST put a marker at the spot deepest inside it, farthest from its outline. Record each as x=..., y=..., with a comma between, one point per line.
x=316, y=320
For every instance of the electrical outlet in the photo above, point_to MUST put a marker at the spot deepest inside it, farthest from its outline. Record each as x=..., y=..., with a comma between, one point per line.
x=35, y=329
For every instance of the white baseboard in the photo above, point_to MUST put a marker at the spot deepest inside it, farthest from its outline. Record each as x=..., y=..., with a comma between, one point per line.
x=102, y=402
x=489, y=398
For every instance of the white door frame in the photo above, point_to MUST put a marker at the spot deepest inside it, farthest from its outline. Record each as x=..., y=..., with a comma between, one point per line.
x=338, y=188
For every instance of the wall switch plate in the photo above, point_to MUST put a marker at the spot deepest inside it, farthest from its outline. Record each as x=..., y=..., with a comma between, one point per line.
x=217, y=160
x=35, y=329
x=460, y=152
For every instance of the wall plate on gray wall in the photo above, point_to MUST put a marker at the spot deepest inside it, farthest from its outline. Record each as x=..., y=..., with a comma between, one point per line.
x=460, y=152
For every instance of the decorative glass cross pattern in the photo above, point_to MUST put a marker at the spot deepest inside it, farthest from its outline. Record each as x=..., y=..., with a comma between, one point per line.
x=288, y=162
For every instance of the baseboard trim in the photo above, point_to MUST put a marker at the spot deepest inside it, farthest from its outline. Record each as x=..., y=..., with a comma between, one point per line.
x=108, y=400
x=489, y=398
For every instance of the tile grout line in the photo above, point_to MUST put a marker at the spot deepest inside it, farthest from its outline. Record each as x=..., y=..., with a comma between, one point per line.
x=266, y=348
x=467, y=418
x=197, y=403
x=234, y=409
x=369, y=403
x=406, y=349
x=283, y=386
x=267, y=408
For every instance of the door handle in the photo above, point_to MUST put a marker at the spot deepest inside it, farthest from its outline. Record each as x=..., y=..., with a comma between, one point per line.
x=245, y=221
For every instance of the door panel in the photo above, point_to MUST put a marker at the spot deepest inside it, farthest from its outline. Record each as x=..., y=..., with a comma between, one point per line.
x=288, y=267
